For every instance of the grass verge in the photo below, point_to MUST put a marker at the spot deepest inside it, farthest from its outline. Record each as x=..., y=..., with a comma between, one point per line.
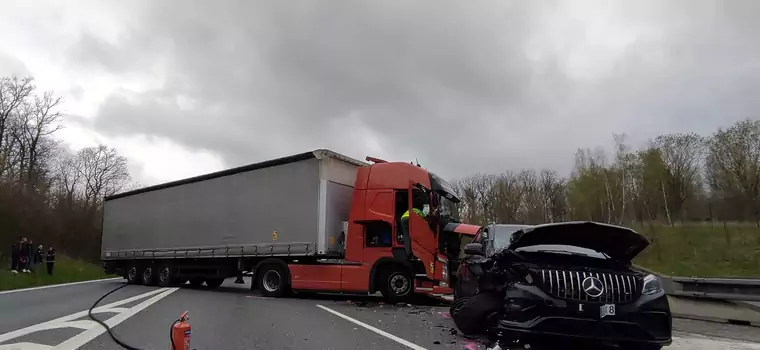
x=66, y=270
x=702, y=249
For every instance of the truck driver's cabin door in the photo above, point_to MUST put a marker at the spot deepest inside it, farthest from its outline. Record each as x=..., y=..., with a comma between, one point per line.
x=421, y=238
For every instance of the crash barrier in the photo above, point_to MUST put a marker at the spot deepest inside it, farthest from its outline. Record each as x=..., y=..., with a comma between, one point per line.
x=725, y=300
x=742, y=289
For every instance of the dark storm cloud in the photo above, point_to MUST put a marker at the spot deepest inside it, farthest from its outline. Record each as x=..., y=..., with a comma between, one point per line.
x=449, y=82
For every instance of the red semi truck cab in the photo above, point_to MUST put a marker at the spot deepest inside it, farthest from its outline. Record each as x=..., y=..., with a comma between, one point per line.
x=378, y=256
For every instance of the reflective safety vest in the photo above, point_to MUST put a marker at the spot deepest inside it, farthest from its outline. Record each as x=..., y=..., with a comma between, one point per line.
x=419, y=212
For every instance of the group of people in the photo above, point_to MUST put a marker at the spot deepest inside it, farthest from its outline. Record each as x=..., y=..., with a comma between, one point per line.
x=24, y=257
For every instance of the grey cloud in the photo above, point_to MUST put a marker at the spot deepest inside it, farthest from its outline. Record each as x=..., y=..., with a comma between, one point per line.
x=10, y=65
x=448, y=82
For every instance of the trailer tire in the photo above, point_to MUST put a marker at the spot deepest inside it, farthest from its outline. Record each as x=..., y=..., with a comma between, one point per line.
x=273, y=280
x=166, y=276
x=133, y=275
x=214, y=282
x=149, y=276
x=396, y=284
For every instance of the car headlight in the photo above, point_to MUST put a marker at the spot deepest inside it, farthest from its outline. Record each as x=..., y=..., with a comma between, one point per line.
x=652, y=285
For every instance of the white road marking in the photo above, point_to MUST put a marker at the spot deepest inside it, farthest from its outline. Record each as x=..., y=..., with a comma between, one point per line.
x=378, y=331
x=90, y=334
x=58, y=285
x=92, y=329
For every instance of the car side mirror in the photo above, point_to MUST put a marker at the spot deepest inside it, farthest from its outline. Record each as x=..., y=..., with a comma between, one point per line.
x=473, y=249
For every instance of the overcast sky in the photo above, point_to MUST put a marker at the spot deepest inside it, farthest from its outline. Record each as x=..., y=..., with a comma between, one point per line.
x=186, y=87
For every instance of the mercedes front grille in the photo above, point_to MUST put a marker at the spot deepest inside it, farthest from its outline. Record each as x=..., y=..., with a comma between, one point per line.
x=618, y=288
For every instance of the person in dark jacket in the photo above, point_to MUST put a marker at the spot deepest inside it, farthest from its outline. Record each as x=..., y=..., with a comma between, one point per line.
x=16, y=255
x=26, y=249
x=39, y=255
x=30, y=253
x=50, y=260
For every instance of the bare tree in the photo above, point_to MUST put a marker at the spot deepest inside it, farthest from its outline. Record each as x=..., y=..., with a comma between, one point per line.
x=103, y=171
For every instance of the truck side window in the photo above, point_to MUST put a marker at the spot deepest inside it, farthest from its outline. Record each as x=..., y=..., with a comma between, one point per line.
x=378, y=234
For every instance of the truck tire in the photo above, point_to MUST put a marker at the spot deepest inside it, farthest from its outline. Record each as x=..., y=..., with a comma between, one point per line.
x=214, y=282
x=149, y=276
x=133, y=275
x=396, y=284
x=166, y=276
x=273, y=280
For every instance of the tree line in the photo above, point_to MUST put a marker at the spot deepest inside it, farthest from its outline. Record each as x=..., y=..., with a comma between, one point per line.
x=47, y=192
x=677, y=178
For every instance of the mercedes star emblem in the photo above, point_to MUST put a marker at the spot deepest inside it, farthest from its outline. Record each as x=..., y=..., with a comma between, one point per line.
x=593, y=287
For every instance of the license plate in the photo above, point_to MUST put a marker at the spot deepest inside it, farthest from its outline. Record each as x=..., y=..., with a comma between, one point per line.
x=606, y=310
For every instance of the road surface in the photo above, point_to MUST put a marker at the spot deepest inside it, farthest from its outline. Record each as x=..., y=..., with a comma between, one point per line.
x=232, y=317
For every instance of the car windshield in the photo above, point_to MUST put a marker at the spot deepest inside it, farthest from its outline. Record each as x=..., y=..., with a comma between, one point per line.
x=563, y=249
x=502, y=234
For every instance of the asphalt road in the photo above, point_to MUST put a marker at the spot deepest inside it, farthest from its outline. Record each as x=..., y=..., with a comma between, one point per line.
x=232, y=317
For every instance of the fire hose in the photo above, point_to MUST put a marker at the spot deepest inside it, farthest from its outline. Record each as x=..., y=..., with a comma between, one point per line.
x=179, y=325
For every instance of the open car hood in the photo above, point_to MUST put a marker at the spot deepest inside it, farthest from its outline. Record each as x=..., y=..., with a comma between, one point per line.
x=619, y=243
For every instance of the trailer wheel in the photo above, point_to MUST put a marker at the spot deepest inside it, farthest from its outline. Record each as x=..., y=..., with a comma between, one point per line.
x=149, y=276
x=166, y=276
x=214, y=282
x=133, y=275
x=273, y=281
x=397, y=284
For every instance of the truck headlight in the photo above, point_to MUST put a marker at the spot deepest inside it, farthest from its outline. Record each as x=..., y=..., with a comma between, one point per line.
x=652, y=285
x=445, y=271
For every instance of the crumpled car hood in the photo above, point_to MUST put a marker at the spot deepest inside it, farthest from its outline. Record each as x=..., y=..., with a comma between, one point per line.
x=619, y=243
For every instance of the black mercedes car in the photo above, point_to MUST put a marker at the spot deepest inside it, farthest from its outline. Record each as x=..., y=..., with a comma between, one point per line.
x=561, y=281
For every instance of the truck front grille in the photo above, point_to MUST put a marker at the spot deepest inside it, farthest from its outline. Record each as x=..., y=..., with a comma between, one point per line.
x=566, y=284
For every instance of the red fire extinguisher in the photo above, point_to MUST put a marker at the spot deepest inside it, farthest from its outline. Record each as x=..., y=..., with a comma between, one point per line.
x=180, y=334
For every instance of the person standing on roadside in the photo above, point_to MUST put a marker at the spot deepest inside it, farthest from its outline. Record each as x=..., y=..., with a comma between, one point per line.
x=39, y=255
x=24, y=255
x=30, y=256
x=50, y=260
x=16, y=256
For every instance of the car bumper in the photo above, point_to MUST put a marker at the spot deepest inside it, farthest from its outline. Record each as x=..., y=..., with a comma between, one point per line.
x=533, y=313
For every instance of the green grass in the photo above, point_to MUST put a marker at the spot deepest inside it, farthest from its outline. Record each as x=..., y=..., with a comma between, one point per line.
x=66, y=270
x=702, y=249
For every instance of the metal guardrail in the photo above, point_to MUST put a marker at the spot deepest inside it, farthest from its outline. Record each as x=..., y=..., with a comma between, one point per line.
x=741, y=289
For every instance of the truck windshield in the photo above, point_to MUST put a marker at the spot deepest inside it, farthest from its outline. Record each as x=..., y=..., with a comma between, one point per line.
x=450, y=209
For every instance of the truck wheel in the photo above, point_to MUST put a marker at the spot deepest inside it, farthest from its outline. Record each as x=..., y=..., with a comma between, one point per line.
x=133, y=275
x=166, y=276
x=396, y=285
x=149, y=276
x=273, y=281
x=214, y=282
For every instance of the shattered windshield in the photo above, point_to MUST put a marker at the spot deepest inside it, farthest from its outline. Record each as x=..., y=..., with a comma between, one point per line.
x=502, y=234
